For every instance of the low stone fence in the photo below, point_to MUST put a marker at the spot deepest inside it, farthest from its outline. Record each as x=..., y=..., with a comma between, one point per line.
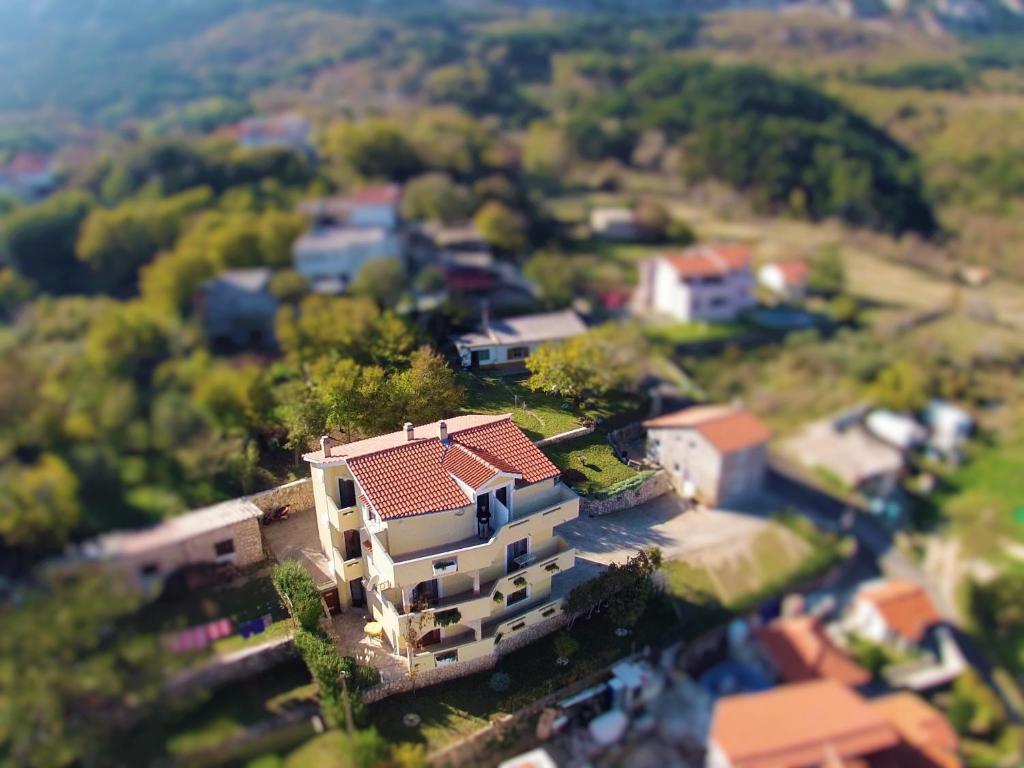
x=619, y=438
x=463, y=669
x=654, y=486
x=562, y=437
x=228, y=668
x=299, y=494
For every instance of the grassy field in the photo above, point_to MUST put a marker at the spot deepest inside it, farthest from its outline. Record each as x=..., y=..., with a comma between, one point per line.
x=689, y=333
x=538, y=414
x=279, y=629
x=588, y=463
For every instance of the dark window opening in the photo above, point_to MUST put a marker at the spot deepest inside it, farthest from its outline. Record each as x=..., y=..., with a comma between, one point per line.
x=433, y=637
x=518, y=353
x=518, y=596
x=226, y=547
x=149, y=569
x=353, y=546
x=517, y=627
x=447, y=657
x=346, y=493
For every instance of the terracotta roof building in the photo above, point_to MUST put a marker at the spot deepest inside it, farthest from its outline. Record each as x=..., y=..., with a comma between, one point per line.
x=894, y=610
x=456, y=514
x=786, y=279
x=800, y=649
x=713, y=452
x=815, y=724
x=706, y=283
x=929, y=740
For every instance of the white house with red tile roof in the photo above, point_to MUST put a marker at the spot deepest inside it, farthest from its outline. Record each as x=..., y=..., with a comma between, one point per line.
x=286, y=131
x=447, y=527
x=786, y=279
x=714, y=453
x=705, y=283
x=893, y=610
x=376, y=206
x=28, y=175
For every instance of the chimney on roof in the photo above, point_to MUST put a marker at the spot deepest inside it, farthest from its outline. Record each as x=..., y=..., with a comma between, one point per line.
x=442, y=431
x=325, y=441
x=408, y=431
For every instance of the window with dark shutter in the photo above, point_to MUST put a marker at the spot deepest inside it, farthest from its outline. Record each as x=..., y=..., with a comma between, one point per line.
x=346, y=493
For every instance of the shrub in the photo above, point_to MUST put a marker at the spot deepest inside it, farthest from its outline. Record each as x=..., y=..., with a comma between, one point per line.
x=499, y=682
x=565, y=645
x=297, y=587
x=621, y=487
x=447, y=618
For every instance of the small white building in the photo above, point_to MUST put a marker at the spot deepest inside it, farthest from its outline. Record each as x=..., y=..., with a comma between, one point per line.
x=375, y=207
x=706, y=283
x=286, y=131
x=786, y=279
x=614, y=224
x=28, y=175
x=331, y=257
x=897, y=429
x=237, y=308
x=714, y=453
x=892, y=611
x=506, y=343
x=950, y=427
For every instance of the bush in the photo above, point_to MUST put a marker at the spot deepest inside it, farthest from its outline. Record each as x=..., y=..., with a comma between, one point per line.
x=565, y=645
x=621, y=487
x=297, y=587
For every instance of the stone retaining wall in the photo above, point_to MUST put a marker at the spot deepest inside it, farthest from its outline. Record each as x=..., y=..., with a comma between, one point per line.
x=231, y=667
x=656, y=485
x=448, y=672
x=299, y=494
x=562, y=437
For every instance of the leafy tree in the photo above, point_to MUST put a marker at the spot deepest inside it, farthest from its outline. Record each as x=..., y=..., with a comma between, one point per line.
x=39, y=241
x=502, y=227
x=381, y=280
x=996, y=604
x=545, y=154
x=375, y=149
x=901, y=387
x=605, y=359
x=15, y=290
x=115, y=242
x=294, y=582
x=973, y=708
x=234, y=399
x=75, y=673
x=427, y=390
x=435, y=197
x=430, y=279
x=288, y=285
x=827, y=274
x=555, y=276
x=129, y=340
x=39, y=505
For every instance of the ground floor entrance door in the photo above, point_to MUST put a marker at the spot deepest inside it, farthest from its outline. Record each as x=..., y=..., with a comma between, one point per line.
x=358, y=593
x=333, y=601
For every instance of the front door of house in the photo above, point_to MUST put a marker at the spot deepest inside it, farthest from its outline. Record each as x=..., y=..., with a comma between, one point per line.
x=355, y=588
x=332, y=600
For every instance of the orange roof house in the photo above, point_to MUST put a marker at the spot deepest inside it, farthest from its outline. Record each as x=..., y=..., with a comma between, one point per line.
x=800, y=650
x=716, y=452
x=903, y=606
x=708, y=260
x=818, y=723
x=929, y=740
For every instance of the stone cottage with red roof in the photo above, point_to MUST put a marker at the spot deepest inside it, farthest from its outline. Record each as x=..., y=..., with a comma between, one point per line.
x=446, y=533
x=713, y=453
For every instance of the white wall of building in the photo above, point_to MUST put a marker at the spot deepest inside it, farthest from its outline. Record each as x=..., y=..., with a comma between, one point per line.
x=718, y=299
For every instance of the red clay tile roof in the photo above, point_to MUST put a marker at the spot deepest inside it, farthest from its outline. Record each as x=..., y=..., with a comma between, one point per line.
x=794, y=271
x=401, y=478
x=708, y=260
x=801, y=650
x=804, y=724
x=385, y=194
x=905, y=606
x=28, y=163
x=726, y=427
x=930, y=739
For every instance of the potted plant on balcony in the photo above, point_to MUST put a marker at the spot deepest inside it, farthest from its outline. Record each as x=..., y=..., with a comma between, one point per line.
x=498, y=597
x=552, y=568
x=520, y=581
x=447, y=618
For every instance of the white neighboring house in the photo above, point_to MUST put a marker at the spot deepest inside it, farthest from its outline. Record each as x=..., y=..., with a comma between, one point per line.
x=950, y=427
x=375, y=207
x=896, y=429
x=509, y=341
x=331, y=257
x=705, y=283
x=614, y=223
x=28, y=175
x=715, y=453
x=786, y=279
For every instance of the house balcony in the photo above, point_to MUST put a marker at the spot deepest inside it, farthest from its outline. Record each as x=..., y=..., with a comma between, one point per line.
x=342, y=518
x=470, y=555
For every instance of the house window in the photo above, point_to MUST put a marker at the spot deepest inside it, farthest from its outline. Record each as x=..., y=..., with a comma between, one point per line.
x=353, y=548
x=518, y=596
x=483, y=355
x=149, y=570
x=517, y=627
x=346, y=493
x=448, y=657
x=515, y=555
x=224, y=548
x=518, y=353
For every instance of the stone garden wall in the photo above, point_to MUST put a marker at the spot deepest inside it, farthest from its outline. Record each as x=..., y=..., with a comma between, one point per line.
x=562, y=437
x=298, y=493
x=654, y=486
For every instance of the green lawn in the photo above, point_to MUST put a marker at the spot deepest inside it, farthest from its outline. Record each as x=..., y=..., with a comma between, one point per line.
x=980, y=498
x=588, y=463
x=690, y=333
x=538, y=414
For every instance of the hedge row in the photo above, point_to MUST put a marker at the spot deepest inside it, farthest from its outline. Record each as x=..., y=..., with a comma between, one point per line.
x=300, y=593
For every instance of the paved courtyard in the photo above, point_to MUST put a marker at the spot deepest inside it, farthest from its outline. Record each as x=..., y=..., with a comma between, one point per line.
x=296, y=539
